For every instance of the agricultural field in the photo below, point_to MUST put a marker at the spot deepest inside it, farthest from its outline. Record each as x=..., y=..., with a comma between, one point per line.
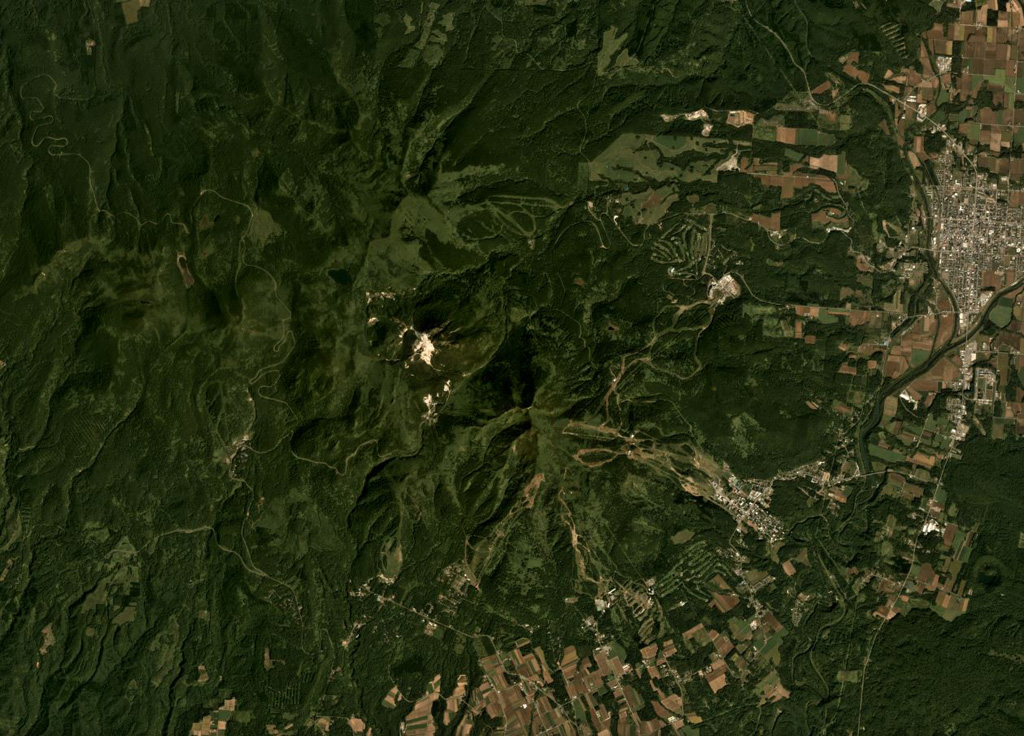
x=511, y=367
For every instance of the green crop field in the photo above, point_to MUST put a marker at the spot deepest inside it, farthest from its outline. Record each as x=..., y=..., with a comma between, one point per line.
x=510, y=367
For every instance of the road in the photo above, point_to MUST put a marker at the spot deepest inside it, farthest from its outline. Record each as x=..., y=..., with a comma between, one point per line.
x=871, y=421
